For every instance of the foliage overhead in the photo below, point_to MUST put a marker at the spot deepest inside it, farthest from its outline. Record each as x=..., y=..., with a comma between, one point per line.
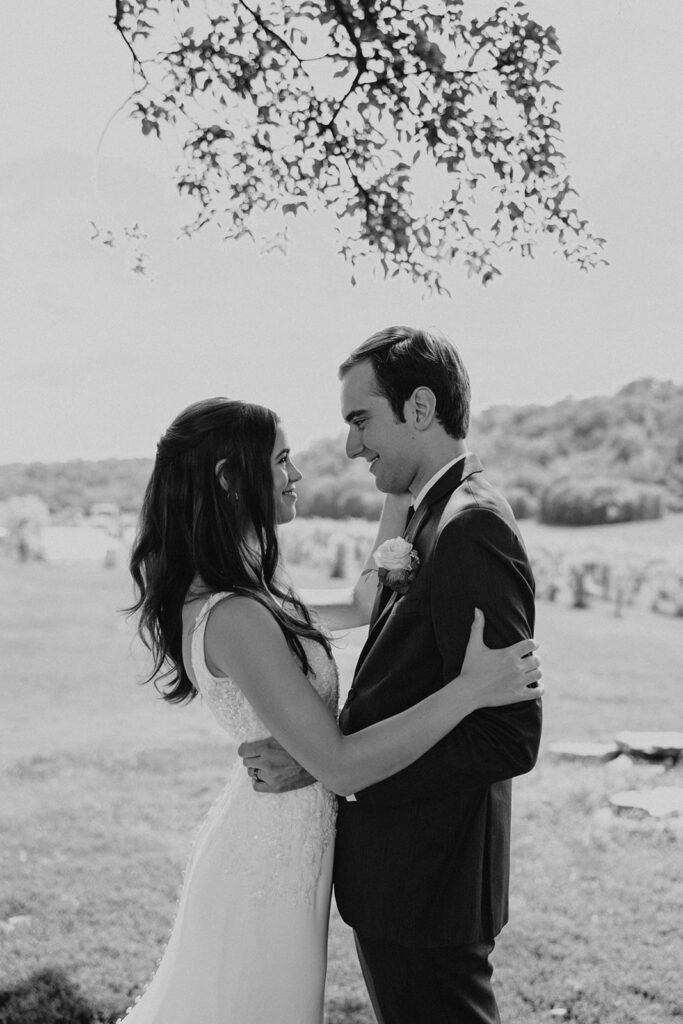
x=430, y=133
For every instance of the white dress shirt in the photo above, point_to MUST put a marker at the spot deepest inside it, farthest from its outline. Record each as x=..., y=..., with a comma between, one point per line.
x=437, y=476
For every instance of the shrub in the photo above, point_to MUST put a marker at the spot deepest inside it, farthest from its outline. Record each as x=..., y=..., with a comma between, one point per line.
x=574, y=501
x=47, y=997
x=340, y=497
x=524, y=505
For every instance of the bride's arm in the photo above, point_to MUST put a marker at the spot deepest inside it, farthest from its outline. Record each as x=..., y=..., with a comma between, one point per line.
x=350, y=607
x=244, y=642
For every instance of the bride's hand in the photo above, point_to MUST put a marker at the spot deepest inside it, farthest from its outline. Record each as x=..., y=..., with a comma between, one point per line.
x=398, y=503
x=494, y=678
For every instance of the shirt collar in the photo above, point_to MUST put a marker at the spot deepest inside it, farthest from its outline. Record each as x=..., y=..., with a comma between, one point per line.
x=437, y=476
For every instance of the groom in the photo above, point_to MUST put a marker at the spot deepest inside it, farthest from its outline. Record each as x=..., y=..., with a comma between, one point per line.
x=422, y=858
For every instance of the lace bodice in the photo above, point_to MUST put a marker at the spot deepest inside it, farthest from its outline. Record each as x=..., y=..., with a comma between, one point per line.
x=227, y=702
x=279, y=840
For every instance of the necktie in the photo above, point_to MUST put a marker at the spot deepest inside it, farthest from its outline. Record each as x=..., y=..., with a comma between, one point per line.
x=411, y=513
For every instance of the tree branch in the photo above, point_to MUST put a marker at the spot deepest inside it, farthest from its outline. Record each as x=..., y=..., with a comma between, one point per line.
x=392, y=81
x=118, y=25
x=361, y=62
x=352, y=88
x=363, y=192
x=274, y=35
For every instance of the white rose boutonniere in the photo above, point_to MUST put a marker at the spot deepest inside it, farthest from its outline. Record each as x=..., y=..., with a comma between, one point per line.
x=397, y=564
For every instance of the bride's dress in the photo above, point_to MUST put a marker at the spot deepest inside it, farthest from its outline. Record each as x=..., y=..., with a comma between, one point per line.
x=249, y=944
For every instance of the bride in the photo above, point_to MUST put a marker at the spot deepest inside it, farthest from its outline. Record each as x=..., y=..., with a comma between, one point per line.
x=249, y=941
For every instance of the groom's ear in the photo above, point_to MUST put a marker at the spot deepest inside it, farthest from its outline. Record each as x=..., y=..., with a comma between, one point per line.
x=221, y=475
x=422, y=407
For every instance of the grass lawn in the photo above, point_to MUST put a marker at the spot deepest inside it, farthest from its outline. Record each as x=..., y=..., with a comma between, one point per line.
x=103, y=786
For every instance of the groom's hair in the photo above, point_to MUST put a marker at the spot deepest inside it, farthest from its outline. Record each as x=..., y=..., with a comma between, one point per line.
x=406, y=358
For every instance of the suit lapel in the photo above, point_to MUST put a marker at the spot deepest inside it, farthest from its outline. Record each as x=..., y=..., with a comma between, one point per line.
x=443, y=487
x=455, y=476
x=417, y=522
x=381, y=598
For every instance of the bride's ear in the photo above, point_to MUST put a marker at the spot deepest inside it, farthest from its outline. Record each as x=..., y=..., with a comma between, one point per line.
x=221, y=475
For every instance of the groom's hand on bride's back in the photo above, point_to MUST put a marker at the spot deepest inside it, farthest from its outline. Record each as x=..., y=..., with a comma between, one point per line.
x=271, y=768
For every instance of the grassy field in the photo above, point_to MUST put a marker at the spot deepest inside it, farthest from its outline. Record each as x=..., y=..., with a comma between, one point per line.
x=103, y=786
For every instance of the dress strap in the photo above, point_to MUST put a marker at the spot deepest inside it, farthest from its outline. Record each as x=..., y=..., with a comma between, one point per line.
x=199, y=629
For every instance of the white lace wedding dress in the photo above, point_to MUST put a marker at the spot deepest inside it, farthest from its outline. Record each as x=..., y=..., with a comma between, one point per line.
x=249, y=943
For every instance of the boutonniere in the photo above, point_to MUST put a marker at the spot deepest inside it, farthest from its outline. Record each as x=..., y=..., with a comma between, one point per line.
x=397, y=564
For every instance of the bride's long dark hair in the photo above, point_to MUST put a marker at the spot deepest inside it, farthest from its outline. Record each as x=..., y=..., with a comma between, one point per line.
x=194, y=524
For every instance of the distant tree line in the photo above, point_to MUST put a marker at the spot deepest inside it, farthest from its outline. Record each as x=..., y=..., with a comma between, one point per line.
x=597, y=460
x=602, y=459
x=78, y=484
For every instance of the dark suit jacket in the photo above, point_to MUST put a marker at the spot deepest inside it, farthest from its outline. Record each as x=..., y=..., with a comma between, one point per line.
x=422, y=858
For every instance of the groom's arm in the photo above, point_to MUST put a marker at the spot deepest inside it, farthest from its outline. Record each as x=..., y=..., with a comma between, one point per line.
x=477, y=563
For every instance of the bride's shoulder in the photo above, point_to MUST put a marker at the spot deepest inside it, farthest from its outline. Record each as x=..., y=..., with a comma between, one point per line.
x=239, y=631
x=237, y=615
x=219, y=625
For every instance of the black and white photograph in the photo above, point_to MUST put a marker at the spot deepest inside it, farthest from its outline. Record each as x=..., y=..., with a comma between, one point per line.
x=341, y=512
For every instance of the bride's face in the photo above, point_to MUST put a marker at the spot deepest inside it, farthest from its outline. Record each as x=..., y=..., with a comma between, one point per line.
x=285, y=476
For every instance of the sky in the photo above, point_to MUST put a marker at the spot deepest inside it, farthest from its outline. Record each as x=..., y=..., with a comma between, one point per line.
x=96, y=361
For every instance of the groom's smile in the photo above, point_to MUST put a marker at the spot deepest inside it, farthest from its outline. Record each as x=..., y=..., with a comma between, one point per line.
x=375, y=434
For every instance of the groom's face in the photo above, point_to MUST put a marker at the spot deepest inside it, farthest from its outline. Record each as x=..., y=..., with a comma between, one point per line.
x=374, y=432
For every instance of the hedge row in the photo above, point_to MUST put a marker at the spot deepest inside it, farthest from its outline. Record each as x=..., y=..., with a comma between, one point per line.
x=589, y=502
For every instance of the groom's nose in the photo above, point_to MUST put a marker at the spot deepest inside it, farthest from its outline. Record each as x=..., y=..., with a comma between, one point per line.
x=354, y=445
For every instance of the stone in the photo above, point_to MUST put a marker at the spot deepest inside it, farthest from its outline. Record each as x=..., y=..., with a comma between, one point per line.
x=10, y=923
x=653, y=746
x=603, y=817
x=660, y=802
x=634, y=772
x=580, y=751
